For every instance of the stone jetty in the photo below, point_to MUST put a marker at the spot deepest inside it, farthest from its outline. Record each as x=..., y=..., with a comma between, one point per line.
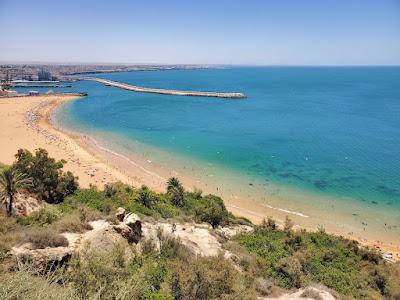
x=164, y=91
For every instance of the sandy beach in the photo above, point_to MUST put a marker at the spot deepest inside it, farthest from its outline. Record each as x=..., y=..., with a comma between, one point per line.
x=26, y=123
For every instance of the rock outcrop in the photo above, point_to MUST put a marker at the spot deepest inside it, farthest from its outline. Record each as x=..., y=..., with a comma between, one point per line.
x=41, y=260
x=102, y=238
x=229, y=232
x=133, y=222
x=120, y=214
x=309, y=293
x=23, y=204
x=196, y=237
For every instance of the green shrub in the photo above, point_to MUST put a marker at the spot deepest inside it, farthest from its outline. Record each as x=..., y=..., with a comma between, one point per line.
x=72, y=223
x=10, y=234
x=109, y=190
x=208, y=278
x=299, y=258
x=7, y=223
x=172, y=248
x=118, y=191
x=99, y=275
x=45, y=215
x=91, y=272
x=250, y=263
x=45, y=237
x=135, y=207
x=239, y=220
x=166, y=210
x=288, y=225
x=264, y=287
x=87, y=214
x=289, y=269
x=23, y=284
x=50, y=183
x=267, y=244
x=157, y=295
x=92, y=199
x=212, y=210
x=268, y=224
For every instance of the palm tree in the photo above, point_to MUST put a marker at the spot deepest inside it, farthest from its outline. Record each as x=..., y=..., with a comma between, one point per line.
x=176, y=191
x=11, y=181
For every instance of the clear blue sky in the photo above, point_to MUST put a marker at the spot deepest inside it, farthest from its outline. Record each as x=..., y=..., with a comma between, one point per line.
x=306, y=32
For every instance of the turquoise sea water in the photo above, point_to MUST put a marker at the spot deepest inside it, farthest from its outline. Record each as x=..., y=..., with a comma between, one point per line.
x=331, y=131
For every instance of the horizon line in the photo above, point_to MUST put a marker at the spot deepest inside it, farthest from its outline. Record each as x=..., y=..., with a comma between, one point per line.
x=193, y=64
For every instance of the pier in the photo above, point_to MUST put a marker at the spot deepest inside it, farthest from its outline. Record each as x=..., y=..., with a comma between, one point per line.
x=165, y=92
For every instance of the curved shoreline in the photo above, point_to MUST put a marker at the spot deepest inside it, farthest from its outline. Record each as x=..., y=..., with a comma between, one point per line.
x=84, y=156
x=164, y=91
x=256, y=211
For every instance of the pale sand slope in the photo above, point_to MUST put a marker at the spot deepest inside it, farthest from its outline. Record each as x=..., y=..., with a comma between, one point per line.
x=24, y=123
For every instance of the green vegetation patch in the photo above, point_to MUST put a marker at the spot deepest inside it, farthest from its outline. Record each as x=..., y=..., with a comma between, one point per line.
x=268, y=257
x=296, y=259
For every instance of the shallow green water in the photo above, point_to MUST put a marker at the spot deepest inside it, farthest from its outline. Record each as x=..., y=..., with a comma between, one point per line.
x=331, y=130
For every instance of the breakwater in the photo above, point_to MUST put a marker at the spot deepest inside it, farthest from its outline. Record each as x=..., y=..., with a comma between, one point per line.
x=164, y=91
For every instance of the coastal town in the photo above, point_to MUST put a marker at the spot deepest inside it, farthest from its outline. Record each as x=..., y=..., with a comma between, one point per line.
x=17, y=76
x=54, y=72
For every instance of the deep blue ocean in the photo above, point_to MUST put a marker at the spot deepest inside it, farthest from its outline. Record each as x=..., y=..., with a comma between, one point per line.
x=329, y=130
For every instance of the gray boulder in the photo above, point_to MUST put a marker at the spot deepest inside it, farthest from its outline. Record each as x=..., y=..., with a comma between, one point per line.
x=133, y=221
x=120, y=214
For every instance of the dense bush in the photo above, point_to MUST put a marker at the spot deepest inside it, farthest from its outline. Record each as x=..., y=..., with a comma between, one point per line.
x=208, y=278
x=105, y=276
x=295, y=259
x=45, y=215
x=91, y=198
x=50, y=183
x=212, y=210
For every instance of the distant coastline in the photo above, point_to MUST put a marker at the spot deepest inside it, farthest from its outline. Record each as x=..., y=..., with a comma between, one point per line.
x=65, y=72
